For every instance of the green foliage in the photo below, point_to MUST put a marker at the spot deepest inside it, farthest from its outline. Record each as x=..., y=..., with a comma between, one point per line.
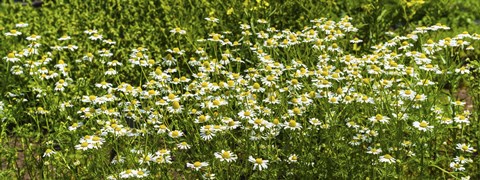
x=74, y=108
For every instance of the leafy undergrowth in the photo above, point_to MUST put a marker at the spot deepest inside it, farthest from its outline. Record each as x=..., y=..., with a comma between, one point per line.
x=262, y=103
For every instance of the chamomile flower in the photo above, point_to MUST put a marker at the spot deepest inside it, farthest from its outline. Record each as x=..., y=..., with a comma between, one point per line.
x=141, y=173
x=84, y=146
x=183, y=145
x=460, y=118
x=33, y=37
x=465, y=148
x=175, y=108
x=462, y=160
x=111, y=72
x=226, y=156
x=387, y=158
x=103, y=85
x=208, y=176
x=178, y=30
x=457, y=166
x=13, y=32
x=292, y=125
x=246, y=114
x=109, y=41
x=96, y=37
x=21, y=25
x=70, y=47
x=258, y=163
x=75, y=126
x=197, y=165
x=90, y=31
x=129, y=173
x=11, y=57
x=48, y=153
x=462, y=70
x=293, y=158
x=422, y=126
x=375, y=151
x=379, y=118
x=175, y=134
x=212, y=19
x=64, y=38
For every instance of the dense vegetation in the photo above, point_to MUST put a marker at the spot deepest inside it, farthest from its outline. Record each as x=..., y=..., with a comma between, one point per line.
x=183, y=89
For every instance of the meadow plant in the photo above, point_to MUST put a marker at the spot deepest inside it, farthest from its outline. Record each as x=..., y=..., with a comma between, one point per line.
x=310, y=103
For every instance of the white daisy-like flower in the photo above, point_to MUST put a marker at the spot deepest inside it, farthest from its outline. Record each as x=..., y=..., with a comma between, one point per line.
x=293, y=158
x=226, y=156
x=64, y=38
x=13, y=32
x=371, y=150
x=11, y=57
x=183, y=145
x=292, y=125
x=462, y=160
x=33, y=37
x=197, y=165
x=96, y=37
x=259, y=163
x=379, y=118
x=456, y=166
x=422, y=126
x=212, y=19
x=90, y=31
x=75, y=126
x=465, y=148
x=387, y=158
x=48, y=153
x=21, y=25
x=178, y=30
x=175, y=134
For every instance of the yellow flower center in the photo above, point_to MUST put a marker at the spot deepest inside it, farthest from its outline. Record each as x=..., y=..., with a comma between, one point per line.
x=96, y=138
x=226, y=155
x=176, y=105
x=418, y=97
x=202, y=118
x=84, y=144
x=423, y=124
x=259, y=160
x=270, y=78
x=176, y=50
x=256, y=86
x=294, y=81
x=197, y=164
x=292, y=123
x=387, y=156
x=296, y=110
